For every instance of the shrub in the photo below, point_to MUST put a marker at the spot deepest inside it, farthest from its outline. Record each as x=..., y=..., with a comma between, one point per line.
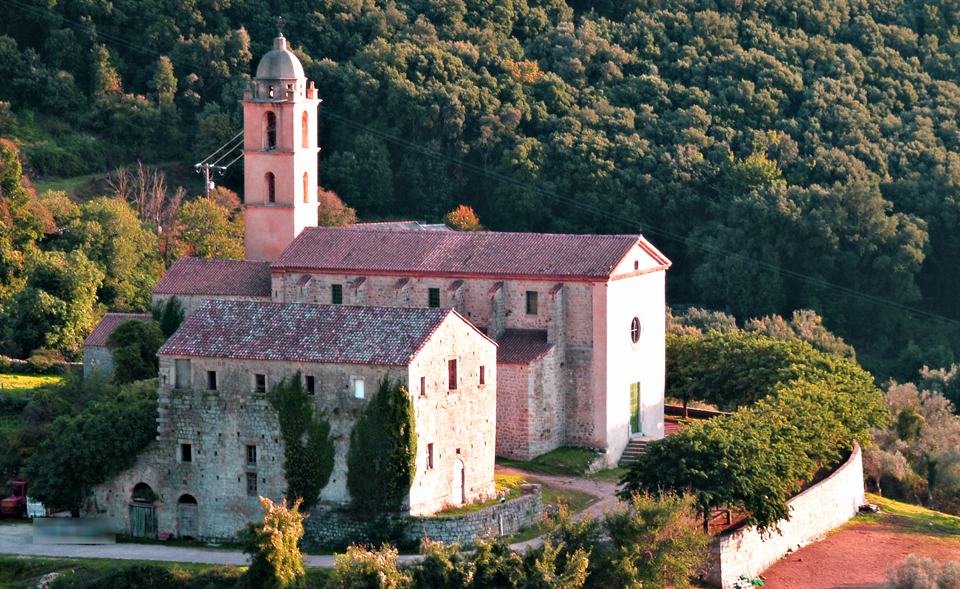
x=362, y=568
x=43, y=360
x=922, y=573
x=276, y=562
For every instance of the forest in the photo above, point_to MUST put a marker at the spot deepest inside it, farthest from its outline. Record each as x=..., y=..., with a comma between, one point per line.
x=784, y=155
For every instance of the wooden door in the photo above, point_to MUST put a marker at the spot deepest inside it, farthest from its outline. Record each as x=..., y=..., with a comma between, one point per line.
x=143, y=520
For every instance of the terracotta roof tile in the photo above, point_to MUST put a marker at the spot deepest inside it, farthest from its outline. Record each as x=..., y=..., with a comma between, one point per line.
x=305, y=332
x=401, y=283
x=522, y=346
x=456, y=284
x=208, y=276
x=110, y=321
x=455, y=252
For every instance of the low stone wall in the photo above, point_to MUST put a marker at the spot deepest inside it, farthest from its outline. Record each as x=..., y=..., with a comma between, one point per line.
x=335, y=528
x=819, y=509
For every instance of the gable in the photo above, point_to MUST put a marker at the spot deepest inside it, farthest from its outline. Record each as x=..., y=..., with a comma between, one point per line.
x=642, y=258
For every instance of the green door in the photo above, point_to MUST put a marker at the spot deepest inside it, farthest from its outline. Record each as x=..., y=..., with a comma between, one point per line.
x=635, y=408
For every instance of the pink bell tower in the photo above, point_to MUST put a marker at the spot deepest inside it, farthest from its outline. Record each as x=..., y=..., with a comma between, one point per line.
x=280, y=154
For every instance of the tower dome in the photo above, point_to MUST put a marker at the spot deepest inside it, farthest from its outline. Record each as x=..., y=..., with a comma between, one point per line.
x=280, y=63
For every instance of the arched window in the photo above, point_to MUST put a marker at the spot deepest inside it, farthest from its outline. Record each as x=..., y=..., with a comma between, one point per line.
x=305, y=140
x=271, y=130
x=271, y=187
x=306, y=187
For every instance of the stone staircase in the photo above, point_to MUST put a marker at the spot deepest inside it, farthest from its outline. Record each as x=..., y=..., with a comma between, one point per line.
x=634, y=449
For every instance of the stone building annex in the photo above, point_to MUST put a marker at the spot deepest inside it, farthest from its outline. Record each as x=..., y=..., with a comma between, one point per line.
x=509, y=344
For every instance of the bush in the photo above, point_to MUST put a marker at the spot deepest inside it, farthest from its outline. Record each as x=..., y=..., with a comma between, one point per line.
x=276, y=562
x=922, y=573
x=43, y=360
x=361, y=568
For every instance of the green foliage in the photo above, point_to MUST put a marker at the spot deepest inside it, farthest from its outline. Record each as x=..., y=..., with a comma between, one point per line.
x=97, y=444
x=361, y=568
x=655, y=542
x=276, y=562
x=331, y=211
x=381, y=461
x=208, y=228
x=134, y=345
x=169, y=315
x=922, y=573
x=308, y=447
x=806, y=409
x=11, y=172
x=42, y=360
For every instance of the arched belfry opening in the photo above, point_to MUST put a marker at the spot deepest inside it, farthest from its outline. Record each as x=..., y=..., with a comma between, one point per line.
x=270, y=131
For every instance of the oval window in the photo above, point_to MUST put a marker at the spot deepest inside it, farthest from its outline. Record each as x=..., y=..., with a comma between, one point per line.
x=635, y=330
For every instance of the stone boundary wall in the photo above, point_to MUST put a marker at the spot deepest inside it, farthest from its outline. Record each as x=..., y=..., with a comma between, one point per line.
x=821, y=508
x=333, y=528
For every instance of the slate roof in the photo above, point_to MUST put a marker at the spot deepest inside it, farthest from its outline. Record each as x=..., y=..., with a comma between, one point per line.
x=208, y=276
x=305, y=332
x=522, y=346
x=110, y=321
x=459, y=253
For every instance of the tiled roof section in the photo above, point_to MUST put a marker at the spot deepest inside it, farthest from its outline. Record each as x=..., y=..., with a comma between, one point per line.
x=305, y=332
x=456, y=284
x=358, y=282
x=401, y=226
x=208, y=276
x=304, y=279
x=556, y=288
x=522, y=346
x=456, y=252
x=496, y=287
x=401, y=283
x=110, y=321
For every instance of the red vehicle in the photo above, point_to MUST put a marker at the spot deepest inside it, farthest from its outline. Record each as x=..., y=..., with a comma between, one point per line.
x=16, y=504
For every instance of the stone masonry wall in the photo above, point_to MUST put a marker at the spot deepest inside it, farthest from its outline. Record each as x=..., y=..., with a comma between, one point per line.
x=328, y=528
x=819, y=509
x=97, y=358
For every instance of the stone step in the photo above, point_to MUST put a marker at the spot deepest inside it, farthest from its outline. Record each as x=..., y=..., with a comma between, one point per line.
x=634, y=449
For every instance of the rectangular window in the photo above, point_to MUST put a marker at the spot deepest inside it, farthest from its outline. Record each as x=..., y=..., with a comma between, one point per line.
x=336, y=294
x=423, y=386
x=311, y=385
x=358, y=390
x=186, y=453
x=483, y=379
x=251, y=455
x=182, y=381
x=429, y=456
x=433, y=298
x=452, y=371
x=252, y=484
x=211, y=380
x=531, y=302
x=260, y=383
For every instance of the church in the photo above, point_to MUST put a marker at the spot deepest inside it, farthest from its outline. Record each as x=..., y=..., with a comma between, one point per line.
x=509, y=344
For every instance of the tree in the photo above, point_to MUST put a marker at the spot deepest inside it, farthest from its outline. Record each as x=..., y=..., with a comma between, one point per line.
x=97, y=444
x=168, y=316
x=164, y=83
x=463, y=219
x=134, y=345
x=308, y=447
x=208, y=229
x=381, y=461
x=331, y=211
x=276, y=562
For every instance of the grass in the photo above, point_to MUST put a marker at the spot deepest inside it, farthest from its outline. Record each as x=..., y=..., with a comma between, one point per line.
x=560, y=462
x=610, y=475
x=918, y=519
x=16, y=384
x=508, y=487
x=17, y=573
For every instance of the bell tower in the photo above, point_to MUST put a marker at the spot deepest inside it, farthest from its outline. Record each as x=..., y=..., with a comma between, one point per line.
x=280, y=154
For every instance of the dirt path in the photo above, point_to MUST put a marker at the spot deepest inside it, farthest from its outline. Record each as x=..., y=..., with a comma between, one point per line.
x=858, y=556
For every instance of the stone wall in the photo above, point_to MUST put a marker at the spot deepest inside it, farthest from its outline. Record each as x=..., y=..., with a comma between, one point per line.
x=819, y=509
x=97, y=358
x=335, y=528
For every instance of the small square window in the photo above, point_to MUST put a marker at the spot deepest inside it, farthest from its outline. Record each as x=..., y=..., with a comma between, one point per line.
x=433, y=298
x=429, y=456
x=336, y=294
x=483, y=379
x=452, y=370
x=186, y=453
x=211, y=380
x=251, y=455
x=260, y=383
x=252, y=484
x=423, y=386
x=311, y=385
x=531, y=302
x=358, y=389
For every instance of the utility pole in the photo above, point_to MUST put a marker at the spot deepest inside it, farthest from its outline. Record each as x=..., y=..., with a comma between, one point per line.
x=205, y=170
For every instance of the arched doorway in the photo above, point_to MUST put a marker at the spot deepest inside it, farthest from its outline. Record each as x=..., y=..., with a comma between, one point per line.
x=458, y=491
x=188, y=517
x=143, y=511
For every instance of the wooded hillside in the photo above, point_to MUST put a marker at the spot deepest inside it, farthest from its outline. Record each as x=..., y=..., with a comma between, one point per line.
x=784, y=155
